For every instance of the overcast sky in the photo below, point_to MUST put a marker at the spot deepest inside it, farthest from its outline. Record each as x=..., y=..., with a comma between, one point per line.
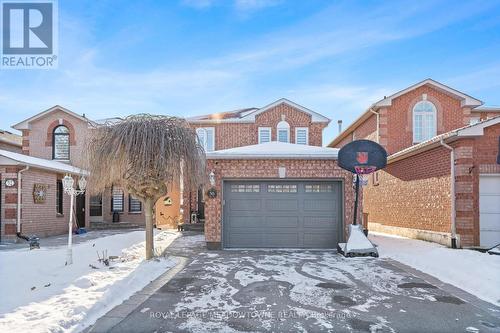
x=201, y=56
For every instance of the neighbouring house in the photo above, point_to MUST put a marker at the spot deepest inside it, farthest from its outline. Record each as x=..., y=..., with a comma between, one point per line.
x=272, y=184
x=51, y=146
x=10, y=141
x=442, y=181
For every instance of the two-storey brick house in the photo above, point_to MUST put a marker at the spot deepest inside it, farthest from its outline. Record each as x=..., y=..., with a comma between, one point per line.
x=442, y=181
x=275, y=186
x=269, y=181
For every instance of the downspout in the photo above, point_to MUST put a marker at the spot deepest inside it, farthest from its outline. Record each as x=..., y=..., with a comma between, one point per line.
x=378, y=123
x=19, y=189
x=452, y=190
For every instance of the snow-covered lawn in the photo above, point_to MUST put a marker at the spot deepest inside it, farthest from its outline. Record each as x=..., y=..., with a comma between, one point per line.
x=38, y=293
x=475, y=272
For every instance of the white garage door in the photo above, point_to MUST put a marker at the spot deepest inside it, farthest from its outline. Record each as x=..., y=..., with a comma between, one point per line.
x=489, y=210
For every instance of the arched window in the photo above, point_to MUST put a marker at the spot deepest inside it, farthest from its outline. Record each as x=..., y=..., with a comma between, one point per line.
x=283, y=131
x=60, y=143
x=424, y=121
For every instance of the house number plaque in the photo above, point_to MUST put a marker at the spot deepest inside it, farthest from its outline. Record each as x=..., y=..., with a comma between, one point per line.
x=212, y=193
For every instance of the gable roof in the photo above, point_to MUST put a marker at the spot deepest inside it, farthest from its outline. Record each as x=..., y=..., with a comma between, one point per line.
x=248, y=115
x=10, y=138
x=11, y=158
x=275, y=150
x=25, y=123
x=473, y=130
x=466, y=100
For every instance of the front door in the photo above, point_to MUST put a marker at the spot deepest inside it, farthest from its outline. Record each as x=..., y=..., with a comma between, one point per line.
x=80, y=210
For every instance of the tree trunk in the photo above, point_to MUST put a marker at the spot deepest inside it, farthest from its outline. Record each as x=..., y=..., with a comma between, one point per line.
x=148, y=211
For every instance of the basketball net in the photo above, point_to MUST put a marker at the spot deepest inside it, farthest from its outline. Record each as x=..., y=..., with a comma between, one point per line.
x=362, y=171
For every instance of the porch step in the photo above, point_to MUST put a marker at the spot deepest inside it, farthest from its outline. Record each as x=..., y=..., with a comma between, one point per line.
x=194, y=227
x=109, y=226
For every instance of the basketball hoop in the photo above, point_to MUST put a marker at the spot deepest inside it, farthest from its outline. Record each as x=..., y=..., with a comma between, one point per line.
x=362, y=157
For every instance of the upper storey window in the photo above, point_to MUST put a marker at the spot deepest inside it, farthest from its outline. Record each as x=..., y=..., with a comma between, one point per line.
x=206, y=138
x=283, y=131
x=302, y=135
x=60, y=143
x=424, y=121
x=264, y=134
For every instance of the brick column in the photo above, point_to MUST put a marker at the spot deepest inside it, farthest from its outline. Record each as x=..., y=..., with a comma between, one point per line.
x=465, y=194
x=9, y=204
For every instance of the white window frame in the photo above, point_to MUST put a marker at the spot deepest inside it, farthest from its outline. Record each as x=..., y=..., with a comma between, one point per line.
x=283, y=126
x=414, y=116
x=297, y=129
x=474, y=120
x=202, y=131
x=261, y=129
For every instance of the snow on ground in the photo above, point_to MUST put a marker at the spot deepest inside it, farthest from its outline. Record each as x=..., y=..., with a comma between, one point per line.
x=40, y=294
x=475, y=272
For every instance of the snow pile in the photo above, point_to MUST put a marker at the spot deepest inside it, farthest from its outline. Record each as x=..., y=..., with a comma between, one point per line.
x=275, y=150
x=475, y=272
x=358, y=242
x=40, y=294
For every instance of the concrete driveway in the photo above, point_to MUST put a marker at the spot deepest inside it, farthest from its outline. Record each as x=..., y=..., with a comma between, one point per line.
x=304, y=291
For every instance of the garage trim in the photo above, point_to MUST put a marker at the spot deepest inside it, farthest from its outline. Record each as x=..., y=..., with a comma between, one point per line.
x=317, y=180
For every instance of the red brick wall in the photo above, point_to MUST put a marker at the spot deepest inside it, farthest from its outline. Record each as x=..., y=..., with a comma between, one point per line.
x=126, y=216
x=36, y=218
x=231, y=135
x=450, y=115
x=412, y=193
x=37, y=141
x=396, y=121
x=474, y=157
x=262, y=169
x=42, y=218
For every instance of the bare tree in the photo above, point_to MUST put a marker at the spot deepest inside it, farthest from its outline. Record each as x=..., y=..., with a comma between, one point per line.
x=145, y=154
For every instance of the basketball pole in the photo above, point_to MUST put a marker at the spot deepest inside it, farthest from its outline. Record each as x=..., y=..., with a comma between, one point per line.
x=356, y=201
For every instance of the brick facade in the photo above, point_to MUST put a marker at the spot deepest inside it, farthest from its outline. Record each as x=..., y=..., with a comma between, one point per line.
x=414, y=193
x=268, y=169
x=41, y=219
x=38, y=142
x=231, y=135
x=38, y=139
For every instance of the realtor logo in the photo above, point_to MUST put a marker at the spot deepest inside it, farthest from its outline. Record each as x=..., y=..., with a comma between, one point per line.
x=29, y=34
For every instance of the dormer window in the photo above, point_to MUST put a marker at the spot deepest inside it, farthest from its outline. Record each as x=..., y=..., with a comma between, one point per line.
x=206, y=138
x=60, y=143
x=264, y=134
x=283, y=131
x=424, y=121
x=302, y=135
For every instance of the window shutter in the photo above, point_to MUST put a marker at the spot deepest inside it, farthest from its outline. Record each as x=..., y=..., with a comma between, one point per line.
x=210, y=145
